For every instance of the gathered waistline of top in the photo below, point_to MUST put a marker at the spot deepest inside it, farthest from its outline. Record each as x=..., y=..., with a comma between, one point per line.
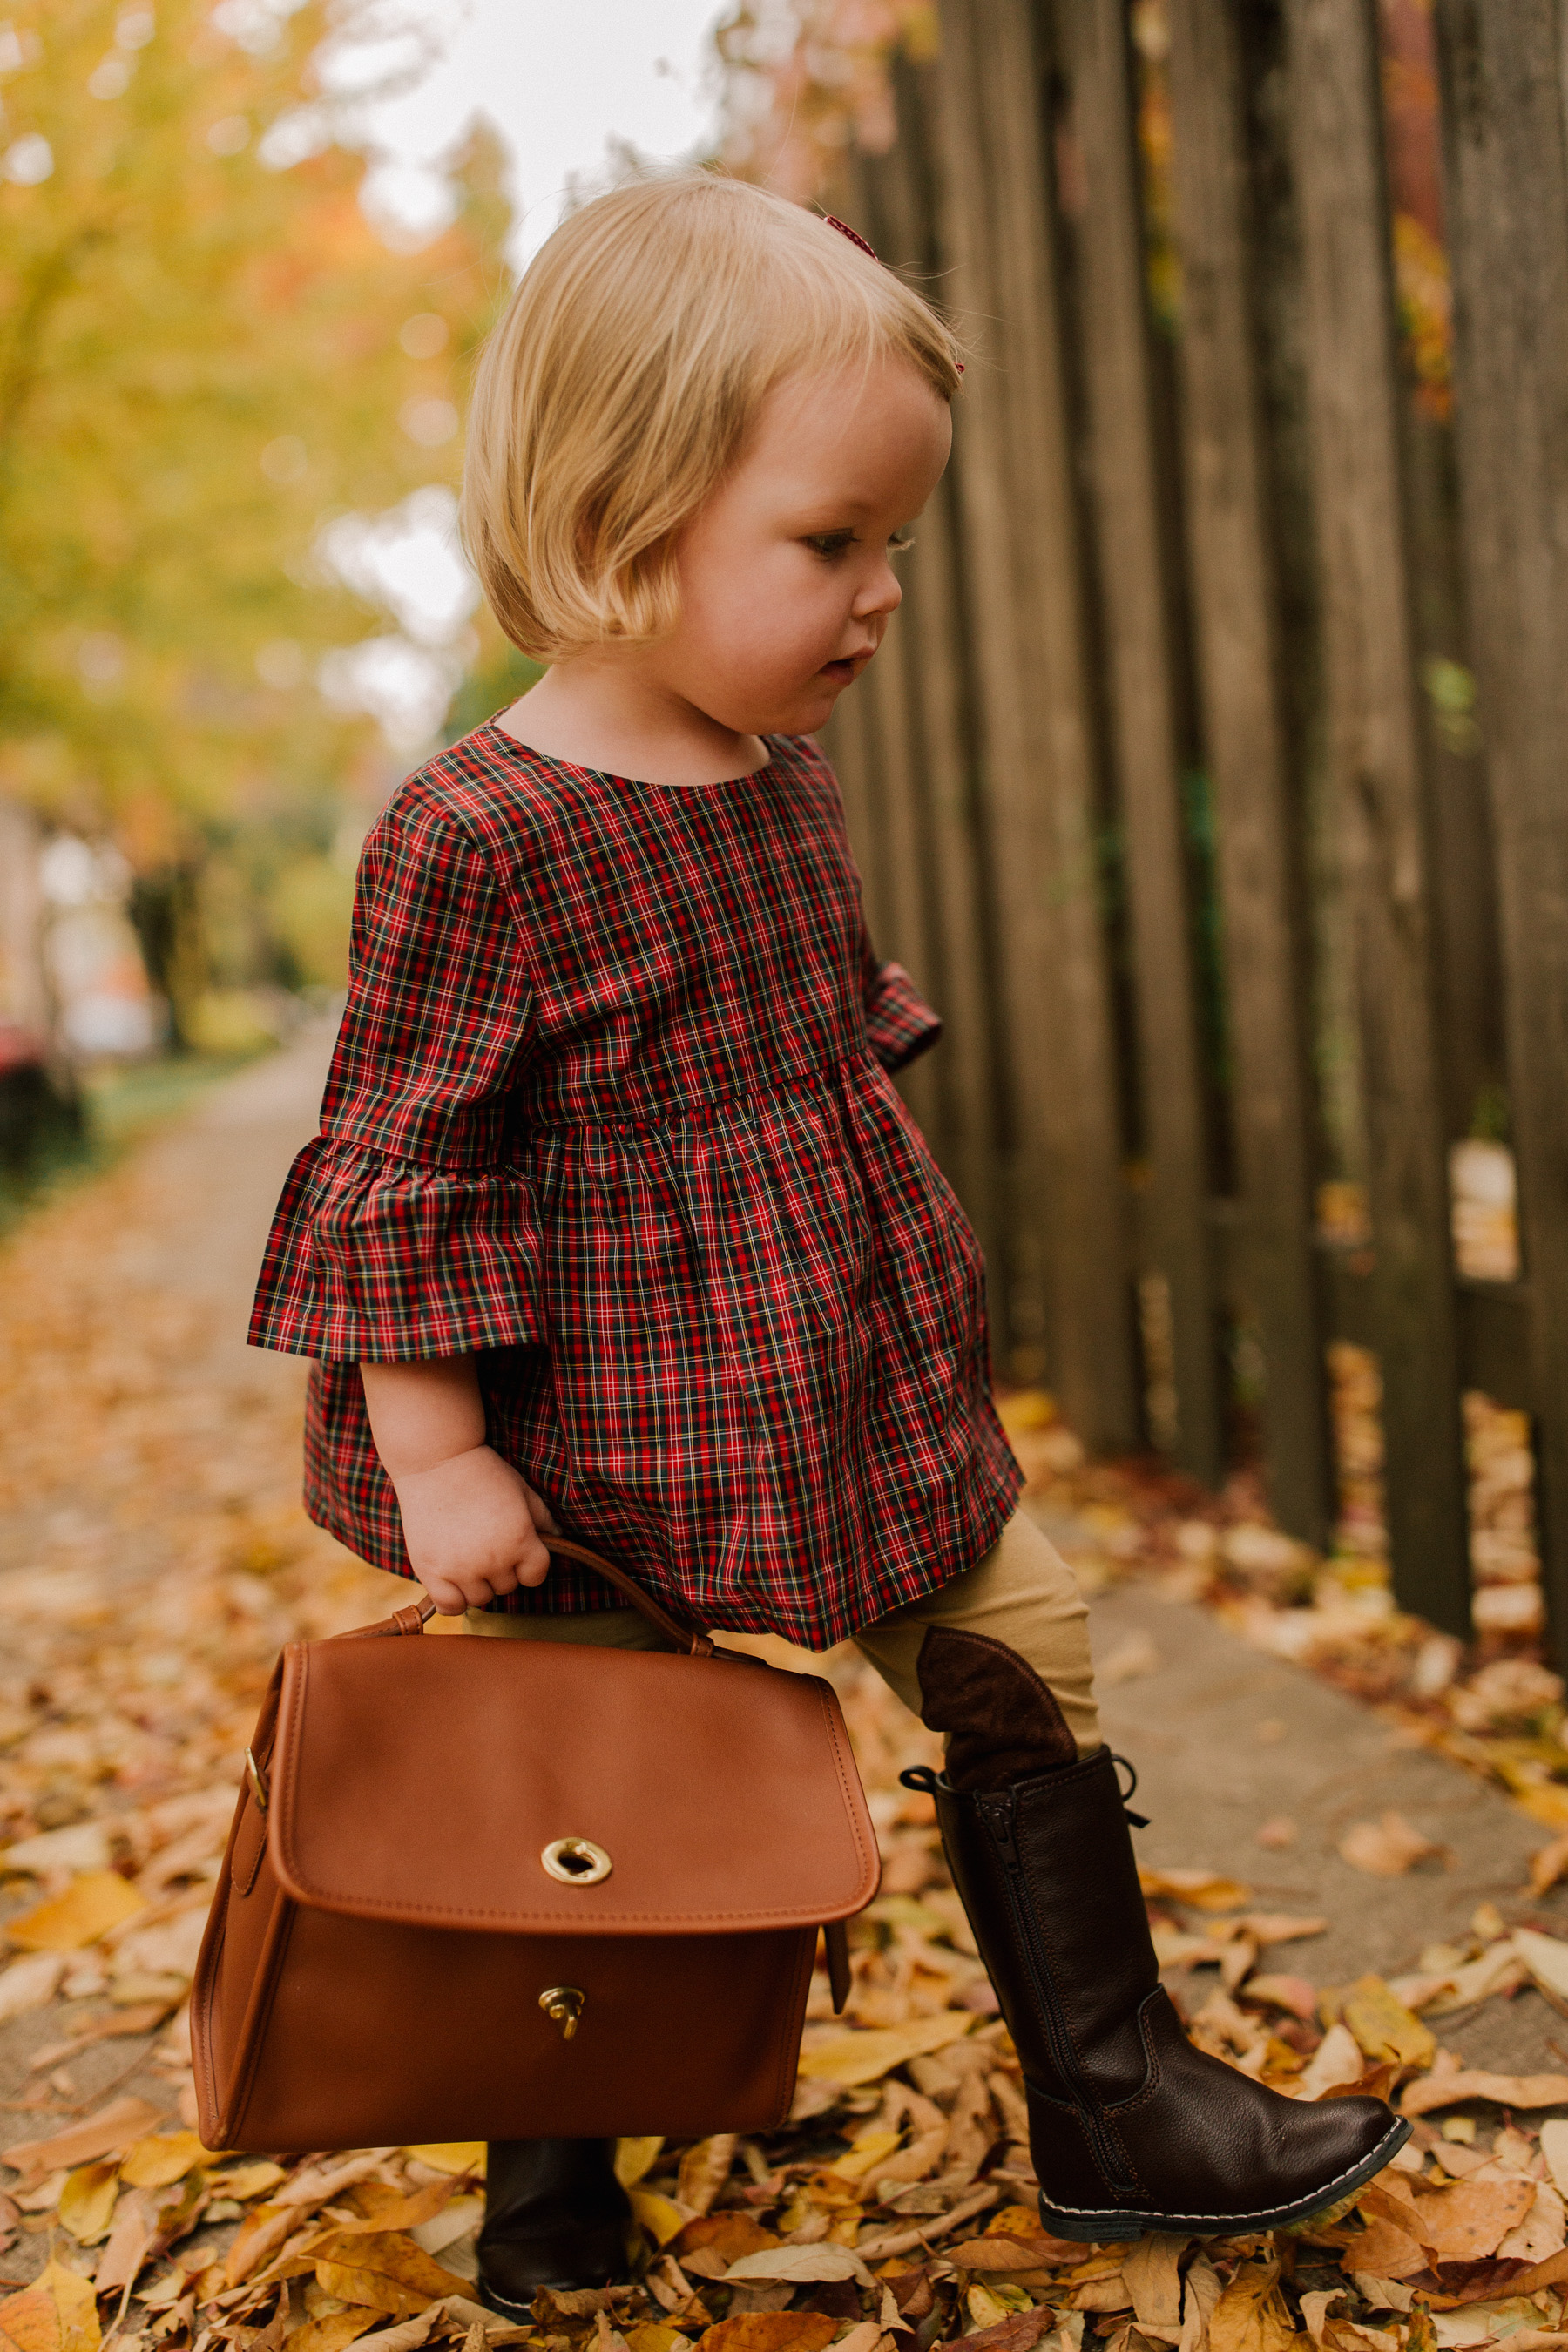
x=673, y=1111
x=683, y=1106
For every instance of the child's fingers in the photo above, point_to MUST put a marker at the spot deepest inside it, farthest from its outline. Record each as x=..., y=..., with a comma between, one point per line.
x=450, y=1599
x=532, y=1563
x=539, y=1511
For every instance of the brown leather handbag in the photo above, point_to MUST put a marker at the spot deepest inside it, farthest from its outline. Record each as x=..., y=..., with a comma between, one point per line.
x=487, y=1889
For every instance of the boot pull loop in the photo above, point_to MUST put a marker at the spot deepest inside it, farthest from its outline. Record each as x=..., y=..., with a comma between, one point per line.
x=924, y=1782
x=1138, y=1821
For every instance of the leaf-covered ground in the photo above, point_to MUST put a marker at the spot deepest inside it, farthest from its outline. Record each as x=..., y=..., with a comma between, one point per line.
x=160, y=1562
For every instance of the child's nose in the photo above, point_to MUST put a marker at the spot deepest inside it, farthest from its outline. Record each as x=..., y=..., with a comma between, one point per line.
x=882, y=594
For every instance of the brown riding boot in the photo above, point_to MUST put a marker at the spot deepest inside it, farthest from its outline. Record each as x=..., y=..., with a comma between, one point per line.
x=1130, y=2129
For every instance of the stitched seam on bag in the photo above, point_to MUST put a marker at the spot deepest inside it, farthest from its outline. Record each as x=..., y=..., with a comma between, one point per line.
x=824, y=1693
x=363, y=1905
x=277, y=1944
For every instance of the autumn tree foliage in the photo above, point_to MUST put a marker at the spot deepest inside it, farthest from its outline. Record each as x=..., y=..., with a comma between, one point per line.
x=206, y=352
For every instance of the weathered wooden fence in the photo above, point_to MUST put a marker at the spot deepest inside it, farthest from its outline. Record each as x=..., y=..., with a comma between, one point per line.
x=1166, y=786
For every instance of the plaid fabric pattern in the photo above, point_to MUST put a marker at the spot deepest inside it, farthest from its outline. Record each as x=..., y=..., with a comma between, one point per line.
x=610, y=1108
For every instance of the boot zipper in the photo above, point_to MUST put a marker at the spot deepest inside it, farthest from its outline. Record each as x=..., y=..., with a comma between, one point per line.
x=997, y=1814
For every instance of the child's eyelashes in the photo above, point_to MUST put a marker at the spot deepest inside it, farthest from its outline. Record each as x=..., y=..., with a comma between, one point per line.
x=831, y=543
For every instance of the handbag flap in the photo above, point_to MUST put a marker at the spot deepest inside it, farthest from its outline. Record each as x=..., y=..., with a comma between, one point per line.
x=424, y=1780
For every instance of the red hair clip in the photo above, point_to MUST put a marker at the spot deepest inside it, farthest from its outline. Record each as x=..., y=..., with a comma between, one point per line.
x=831, y=220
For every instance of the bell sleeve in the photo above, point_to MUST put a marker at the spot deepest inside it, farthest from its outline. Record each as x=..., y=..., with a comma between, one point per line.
x=901, y=1024
x=403, y=1231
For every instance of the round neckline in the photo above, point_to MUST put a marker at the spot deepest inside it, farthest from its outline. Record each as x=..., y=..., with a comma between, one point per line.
x=637, y=783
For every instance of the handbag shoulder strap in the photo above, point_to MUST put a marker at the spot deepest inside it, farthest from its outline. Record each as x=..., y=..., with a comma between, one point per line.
x=676, y=1632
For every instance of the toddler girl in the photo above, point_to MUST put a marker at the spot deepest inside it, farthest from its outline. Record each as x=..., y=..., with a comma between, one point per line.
x=617, y=1222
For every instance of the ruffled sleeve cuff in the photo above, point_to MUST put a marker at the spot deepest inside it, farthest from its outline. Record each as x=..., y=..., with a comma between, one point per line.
x=378, y=1260
x=899, y=1023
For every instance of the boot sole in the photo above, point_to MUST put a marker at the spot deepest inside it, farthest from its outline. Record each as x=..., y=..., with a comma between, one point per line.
x=1120, y=2227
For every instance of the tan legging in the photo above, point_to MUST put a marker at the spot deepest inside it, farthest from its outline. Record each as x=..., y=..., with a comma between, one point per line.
x=1022, y=1594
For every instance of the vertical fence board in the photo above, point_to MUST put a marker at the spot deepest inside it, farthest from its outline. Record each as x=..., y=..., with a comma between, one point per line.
x=1376, y=751
x=906, y=931
x=898, y=199
x=1137, y=637
x=1237, y=624
x=1018, y=500
x=1508, y=217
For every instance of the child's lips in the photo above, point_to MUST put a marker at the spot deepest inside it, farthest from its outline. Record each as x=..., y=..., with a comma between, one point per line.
x=845, y=672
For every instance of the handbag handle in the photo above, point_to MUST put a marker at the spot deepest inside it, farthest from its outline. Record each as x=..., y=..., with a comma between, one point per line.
x=675, y=1630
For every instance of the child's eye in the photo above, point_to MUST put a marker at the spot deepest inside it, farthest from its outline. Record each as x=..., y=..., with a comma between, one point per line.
x=901, y=546
x=829, y=543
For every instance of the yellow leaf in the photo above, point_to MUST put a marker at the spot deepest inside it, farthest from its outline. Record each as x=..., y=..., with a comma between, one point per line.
x=451, y=2155
x=770, y=2331
x=1250, y=2316
x=1384, y=2028
x=851, y=2059
x=656, y=2336
x=58, y=2313
x=1206, y=1889
x=248, y=2181
x=155, y=2163
x=866, y=2151
x=86, y=2202
x=332, y=2334
x=661, y=2218
x=89, y=1906
x=1387, y=1848
x=388, y=2273
x=634, y=2161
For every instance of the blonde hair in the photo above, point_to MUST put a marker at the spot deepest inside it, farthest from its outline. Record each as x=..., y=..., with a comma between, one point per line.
x=623, y=382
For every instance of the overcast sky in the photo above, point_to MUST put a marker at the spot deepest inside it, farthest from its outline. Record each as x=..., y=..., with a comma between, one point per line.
x=559, y=78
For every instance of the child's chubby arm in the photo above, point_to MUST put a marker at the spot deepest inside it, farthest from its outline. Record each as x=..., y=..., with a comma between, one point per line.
x=471, y=1524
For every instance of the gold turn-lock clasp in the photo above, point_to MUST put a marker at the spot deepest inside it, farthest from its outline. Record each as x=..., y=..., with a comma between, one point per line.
x=563, y=2005
x=576, y=1862
x=258, y=1781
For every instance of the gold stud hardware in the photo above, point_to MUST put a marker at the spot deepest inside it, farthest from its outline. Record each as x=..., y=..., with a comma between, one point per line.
x=563, y=2005
x=257, y=1785
x=576, y=1862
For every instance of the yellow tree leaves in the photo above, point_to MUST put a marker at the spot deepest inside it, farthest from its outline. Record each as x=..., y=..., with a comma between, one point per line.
x=90, y=1905
x=58, y=2313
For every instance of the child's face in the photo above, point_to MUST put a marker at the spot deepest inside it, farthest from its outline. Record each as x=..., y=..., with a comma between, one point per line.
x=786, y=583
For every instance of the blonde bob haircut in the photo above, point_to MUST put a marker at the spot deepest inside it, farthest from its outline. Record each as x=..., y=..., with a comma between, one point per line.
x=623, y=380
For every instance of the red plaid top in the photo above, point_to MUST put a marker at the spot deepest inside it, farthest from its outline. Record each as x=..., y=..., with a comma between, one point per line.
x=610, y=1108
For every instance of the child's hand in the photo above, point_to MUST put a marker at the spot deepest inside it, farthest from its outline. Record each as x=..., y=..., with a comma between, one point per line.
x=471, y=1526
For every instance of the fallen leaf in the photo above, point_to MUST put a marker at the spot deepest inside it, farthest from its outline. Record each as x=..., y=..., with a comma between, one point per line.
x=1298, y=1994
x=332, y=2334
x=1207, y=1890
x=1543, y=2232
x=1337, y=2059
x=1203, y=2289
x=58, y=2313
x=865, y=2154
x=635, y=2159
x=29, y=1983
x=704, y=2169
x=1315, y=2307
x=1276, y=1927
x=451, y=2156
x=88, y=2201
x=1546, y=1957
x=731, y=2235
x=1387, y=1848
x=105, y=2133
x=157, y=2163
x=386, y=2272
x=1277, y=1834
x=851, y=2059
x=89, y=1906
x=1547, y=1864
x=770, y=2331
x=1004, y=2251
x=1250, y=2316
x=1451, y=2090
x=1384, y=2028
x=656, y=2336
x=659, y=2216
x=1467, y=2221
x=1020, y=2331
x=1153, y=2271
x=247, y=2180
x=129, y=2243
x=799, y=2264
